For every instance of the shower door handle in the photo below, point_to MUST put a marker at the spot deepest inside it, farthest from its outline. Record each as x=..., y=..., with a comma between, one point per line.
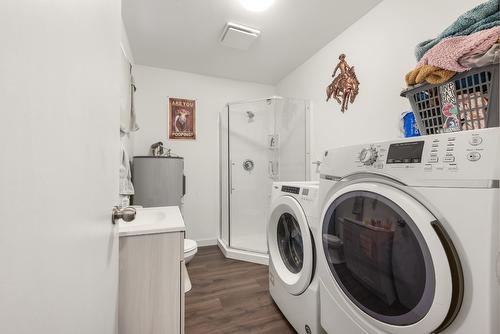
x=231, y=178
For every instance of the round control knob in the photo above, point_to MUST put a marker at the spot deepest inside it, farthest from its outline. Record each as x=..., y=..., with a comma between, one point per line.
x=368, y=156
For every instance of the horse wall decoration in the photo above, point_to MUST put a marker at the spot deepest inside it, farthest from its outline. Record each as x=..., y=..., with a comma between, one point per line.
x=345, y=86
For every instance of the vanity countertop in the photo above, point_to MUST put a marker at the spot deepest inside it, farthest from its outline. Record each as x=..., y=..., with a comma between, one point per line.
x=163, y=219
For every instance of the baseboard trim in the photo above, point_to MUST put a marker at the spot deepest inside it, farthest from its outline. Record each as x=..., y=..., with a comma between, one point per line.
x=206, y=242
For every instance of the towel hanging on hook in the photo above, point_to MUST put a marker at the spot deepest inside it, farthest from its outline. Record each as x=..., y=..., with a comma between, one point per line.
x=133, y=126
x=133, y=117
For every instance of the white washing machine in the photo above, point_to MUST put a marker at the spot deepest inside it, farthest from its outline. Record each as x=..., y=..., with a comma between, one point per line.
x=410, y=236
x=292, y=280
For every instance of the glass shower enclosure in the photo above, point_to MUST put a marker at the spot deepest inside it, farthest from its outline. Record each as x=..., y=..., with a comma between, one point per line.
x=261, y=141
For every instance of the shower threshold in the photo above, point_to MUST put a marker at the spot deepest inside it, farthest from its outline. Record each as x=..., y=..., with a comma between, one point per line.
x=242, y=255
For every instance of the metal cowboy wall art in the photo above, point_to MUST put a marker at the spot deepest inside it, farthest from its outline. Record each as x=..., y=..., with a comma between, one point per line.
x=345, y=86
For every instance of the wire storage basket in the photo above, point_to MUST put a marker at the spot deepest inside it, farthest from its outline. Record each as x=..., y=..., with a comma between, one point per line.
x=468, y=101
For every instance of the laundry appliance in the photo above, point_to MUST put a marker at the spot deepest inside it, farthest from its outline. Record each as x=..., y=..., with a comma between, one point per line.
x=293, y=283
x=410, y=236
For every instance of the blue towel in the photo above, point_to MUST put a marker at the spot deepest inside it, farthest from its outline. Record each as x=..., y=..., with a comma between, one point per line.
x=482, y=17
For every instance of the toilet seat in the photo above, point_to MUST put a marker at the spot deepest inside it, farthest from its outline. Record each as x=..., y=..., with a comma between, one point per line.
x=189, y=246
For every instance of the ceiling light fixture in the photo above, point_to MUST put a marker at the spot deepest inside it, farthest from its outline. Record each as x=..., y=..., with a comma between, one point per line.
x=257, y=5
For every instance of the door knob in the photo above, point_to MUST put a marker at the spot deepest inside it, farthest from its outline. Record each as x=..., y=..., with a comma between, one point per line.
x=127, y=214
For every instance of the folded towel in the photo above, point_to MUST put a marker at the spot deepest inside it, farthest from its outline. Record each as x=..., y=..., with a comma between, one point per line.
x=474, y=60
x=446, y=54
x=126, y=186
x=483, y=16
x=432, y=74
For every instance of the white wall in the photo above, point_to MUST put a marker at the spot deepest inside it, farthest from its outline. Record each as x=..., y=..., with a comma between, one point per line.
x=154, y=86
x=380, y=46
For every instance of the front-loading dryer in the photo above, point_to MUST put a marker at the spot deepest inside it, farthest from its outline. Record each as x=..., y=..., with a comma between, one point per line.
x=410, y=236
x=292, y=280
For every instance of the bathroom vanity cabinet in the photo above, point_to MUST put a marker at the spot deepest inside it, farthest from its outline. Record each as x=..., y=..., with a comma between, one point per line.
x=151, y=281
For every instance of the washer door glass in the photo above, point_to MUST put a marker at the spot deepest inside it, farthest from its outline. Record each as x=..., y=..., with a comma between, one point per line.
x=378, y=257
x=290, y=243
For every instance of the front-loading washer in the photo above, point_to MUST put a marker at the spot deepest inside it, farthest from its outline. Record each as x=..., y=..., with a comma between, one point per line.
x=410, y=236
x=292, y=280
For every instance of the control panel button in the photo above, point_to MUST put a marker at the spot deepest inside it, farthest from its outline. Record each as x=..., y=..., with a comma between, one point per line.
x=473, y=156
x=476, y=140
x=433, y=159
x=428, y=168
x=449, y=159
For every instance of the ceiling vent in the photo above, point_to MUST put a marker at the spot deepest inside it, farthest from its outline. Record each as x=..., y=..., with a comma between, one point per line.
x=238, y=37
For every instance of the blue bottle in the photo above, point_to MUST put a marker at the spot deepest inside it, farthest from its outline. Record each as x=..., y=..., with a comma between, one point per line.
x=409, y=126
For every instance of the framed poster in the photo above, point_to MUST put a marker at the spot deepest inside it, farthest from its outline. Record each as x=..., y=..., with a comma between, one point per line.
x=182, y=118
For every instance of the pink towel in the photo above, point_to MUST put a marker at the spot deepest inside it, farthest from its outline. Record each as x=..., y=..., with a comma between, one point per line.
x=447, y=53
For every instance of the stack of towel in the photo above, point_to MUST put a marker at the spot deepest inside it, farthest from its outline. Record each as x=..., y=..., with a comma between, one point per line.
x=471, y=41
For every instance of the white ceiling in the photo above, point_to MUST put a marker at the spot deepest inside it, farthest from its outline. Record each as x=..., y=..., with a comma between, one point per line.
x=184, y=34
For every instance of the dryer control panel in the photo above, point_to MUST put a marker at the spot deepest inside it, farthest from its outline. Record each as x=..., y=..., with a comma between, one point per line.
x=306, y=193
x=472, y=155
x=290, y=189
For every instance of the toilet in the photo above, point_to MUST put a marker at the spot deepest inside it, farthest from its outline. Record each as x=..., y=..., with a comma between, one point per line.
x=190, y=249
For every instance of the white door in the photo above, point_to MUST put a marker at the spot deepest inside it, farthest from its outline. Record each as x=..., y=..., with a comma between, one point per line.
x=290, y=244
x=391, y=259
x=59, y=146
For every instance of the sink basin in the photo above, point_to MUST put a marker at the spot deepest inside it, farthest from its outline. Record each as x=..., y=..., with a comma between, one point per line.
x=147, y=216
x=152, y=221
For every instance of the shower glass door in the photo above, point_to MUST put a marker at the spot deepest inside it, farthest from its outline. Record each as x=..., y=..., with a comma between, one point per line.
x=252, y=165
x=292, y=129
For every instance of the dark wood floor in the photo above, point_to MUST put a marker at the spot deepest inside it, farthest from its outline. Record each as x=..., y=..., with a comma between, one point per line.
x=230, y=296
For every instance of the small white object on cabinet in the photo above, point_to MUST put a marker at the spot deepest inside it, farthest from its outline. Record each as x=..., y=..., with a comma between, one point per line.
x=151, y=281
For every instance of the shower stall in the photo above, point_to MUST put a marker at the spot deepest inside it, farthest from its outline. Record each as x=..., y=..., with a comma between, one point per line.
x=261, y=141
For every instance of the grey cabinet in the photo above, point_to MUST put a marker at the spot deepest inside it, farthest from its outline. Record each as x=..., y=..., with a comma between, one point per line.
x=158, y=181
